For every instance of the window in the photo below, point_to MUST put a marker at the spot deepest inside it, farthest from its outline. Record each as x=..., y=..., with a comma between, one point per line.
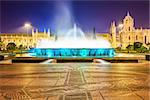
x=145, y=39
x=129, y=37
x=136, y=37
x=129, y=28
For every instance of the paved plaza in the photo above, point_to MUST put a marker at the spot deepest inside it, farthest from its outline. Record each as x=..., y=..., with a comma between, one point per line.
x=75, y=81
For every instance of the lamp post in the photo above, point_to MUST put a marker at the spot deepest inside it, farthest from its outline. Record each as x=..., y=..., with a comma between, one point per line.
x=27, y=26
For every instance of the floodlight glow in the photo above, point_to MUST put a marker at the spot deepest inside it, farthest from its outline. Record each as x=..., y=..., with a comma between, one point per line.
x=120, y=25
x=27, y=25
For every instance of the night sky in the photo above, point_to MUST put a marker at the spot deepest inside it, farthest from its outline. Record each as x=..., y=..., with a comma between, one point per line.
x=86, y=14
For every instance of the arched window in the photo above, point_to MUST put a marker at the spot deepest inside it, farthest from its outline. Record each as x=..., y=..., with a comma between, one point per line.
x=129, y=28
x=129, y=37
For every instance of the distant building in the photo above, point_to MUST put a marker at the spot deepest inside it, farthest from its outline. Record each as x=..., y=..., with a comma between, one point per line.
x=126, y=34
x=27, y=40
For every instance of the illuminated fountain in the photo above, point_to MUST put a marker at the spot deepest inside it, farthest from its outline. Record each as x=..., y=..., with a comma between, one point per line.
x=74, y=45
x=71, y=42
x=75, y=33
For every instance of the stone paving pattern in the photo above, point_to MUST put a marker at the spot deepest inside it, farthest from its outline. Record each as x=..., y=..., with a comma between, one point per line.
x=75, y=81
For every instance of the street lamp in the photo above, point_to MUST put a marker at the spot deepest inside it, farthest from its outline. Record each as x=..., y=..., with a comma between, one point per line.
x=27, y=26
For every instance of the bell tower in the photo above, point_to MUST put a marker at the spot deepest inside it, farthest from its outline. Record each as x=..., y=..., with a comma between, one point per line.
x=113, y=34
x=128, y=23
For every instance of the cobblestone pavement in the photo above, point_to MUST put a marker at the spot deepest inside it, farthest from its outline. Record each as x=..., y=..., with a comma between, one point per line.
x=75, y=81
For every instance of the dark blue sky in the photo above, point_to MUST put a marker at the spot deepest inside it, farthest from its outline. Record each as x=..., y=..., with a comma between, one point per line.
x=87, y=14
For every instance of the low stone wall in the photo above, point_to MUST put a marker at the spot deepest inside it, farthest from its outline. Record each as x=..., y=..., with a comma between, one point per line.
x=64, y=60
x=27, y=60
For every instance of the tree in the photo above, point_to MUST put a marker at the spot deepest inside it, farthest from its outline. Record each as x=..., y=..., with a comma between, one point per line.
x=142, y=49
x=1, y=45
x=21, y=48
x=137, y=45
x=11, y=46
x=130, y=47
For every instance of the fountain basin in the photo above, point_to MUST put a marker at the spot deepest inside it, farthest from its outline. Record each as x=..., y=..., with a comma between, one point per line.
x=73, y=52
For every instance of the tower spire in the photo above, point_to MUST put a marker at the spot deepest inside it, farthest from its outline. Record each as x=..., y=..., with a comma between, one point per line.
x=113, y=24
x=128, y=13
x=44, y=31
x=113, y=33
x=48, y=32
x=32, y=31
x=94, y=33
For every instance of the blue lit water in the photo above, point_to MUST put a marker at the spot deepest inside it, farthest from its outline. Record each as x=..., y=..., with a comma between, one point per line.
x=73, y=52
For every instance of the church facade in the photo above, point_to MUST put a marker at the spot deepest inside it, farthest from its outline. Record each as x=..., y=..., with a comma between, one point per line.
x=127, y=34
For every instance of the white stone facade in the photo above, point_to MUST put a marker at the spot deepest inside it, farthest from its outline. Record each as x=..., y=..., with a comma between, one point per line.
x=128, y=34
x=27, y=40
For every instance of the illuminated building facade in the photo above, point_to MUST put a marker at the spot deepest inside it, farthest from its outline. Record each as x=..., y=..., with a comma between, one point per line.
x=128, y=34
x=27, y=40
x=117, y=36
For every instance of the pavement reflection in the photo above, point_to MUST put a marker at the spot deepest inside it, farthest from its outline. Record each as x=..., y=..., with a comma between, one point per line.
x=75, y=81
